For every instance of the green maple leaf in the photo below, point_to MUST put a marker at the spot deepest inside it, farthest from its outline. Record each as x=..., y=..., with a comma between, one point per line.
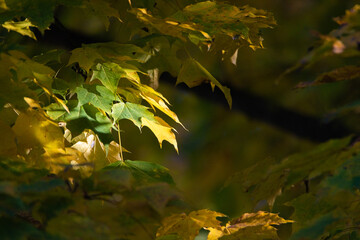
x=97, y=95
x=131, y=111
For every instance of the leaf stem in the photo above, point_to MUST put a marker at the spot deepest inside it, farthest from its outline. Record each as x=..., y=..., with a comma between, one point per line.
x=120, y=146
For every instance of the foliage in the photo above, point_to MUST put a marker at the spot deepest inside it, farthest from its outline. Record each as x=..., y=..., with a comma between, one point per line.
x=63, y=174
x=63, y=170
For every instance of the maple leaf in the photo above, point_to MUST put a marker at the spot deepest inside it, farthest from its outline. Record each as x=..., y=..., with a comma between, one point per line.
x=131, y=111
x=109, y=74
x=90, y=54
x=156, y=99
x=89, y=144
x=85, y=56
x=113, y=154
x=202, y=21
x=22, y=27
x=33, y=128
x=97, y=95
x=161, y=129
x=188, y=226
x=254, y=226
x=141, y=116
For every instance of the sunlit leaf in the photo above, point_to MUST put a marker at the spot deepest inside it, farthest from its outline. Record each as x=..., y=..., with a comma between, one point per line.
x=93, y=150
x=22, y=27
x=85, y=56
x=33, y=128
x=161, y=129
x=131, y=111
x=188, y=225
x=156, y=99
x=98, y=96
x=255, y=226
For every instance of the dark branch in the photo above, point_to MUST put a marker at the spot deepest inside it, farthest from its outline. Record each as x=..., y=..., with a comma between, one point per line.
x=266, y=110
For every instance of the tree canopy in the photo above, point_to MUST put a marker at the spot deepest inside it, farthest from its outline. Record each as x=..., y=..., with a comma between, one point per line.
x=88, y=87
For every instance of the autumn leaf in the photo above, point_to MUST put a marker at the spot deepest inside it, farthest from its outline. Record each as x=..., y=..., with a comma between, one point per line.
x=255, y=226
x=188, y=225
x=33, y=128
x=201, y=22
x=22, y=27
x=113, y=154
x=89, y=144
x=85, y=56
x=141, y=116
x=156, y=100
x=161, y=130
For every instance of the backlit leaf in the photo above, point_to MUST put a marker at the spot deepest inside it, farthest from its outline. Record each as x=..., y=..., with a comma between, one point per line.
x=22, y=27
x=98, y=96
x=255, y=226
x=201, y=22
x=161, y=129
x=85, y=56
x=33, y=128
x=131, y=111
x=94, y=152
x=188, y=225
x=156, y=99
x=109, y=74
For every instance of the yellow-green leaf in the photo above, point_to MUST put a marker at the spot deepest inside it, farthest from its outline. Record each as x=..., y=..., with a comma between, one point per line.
x=188, y=226
x=22, y=27
x=254, y=226
x=85, y=56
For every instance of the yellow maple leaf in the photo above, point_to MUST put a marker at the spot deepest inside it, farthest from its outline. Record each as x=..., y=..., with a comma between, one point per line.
x=256, y=226
x=33, y=128
x=22, y=27
x=89, y=144
x=188, y=226
x=161, y=130
x=114, y=152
